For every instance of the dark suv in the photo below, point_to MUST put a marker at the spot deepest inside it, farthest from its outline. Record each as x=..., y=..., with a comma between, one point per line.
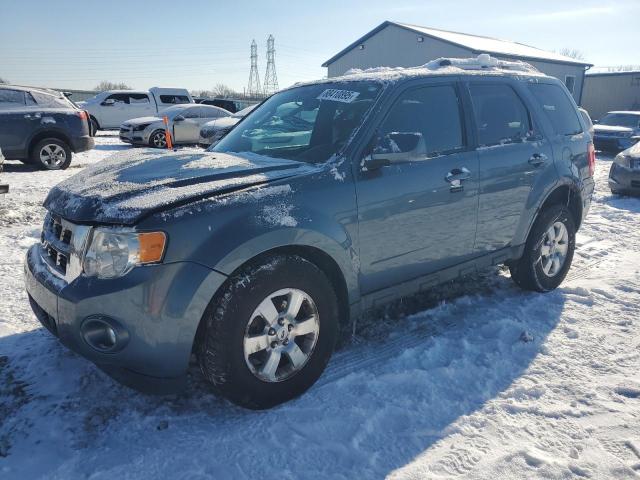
x=330, y=198
x=41, y=127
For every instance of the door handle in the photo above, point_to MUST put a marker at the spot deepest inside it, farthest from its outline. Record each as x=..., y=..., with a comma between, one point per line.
x=35, y=116
x=538, y=159
x=457, y=175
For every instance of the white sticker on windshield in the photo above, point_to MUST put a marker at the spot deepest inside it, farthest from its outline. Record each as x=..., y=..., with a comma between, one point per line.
x=345, y=96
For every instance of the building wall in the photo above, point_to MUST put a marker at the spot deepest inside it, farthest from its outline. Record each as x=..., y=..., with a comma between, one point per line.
x=618, y=91
x=394, y=46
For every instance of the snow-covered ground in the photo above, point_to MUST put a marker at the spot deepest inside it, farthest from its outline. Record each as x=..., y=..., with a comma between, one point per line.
x=490, y=382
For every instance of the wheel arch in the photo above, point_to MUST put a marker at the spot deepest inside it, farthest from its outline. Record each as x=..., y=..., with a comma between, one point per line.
x=38, y=137
x=568, y=195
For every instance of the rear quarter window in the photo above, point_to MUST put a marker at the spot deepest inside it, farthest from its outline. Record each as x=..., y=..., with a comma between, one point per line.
x=557, y=108
x=174, y=99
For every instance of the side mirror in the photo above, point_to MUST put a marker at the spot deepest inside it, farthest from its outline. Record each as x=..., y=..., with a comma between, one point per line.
x=109, y=102
x=178, y=118
x=396, y=147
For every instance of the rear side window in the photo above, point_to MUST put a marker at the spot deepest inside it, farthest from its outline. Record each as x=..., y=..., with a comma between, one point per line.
x=501, y=116
x=136, y=98
x=557, y=107
x=174, y=99
x=11, y=98
x=51, y=101
x=431, y=112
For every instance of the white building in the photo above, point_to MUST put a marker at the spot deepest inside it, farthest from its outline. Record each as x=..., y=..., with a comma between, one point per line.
x=393, y=44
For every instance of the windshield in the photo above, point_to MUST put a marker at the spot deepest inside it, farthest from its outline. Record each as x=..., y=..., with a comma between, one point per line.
x=173, y=111
x=309, y=123
x=621, y=120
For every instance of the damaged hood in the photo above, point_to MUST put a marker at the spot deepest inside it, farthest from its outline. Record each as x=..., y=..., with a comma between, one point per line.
x=127, y=187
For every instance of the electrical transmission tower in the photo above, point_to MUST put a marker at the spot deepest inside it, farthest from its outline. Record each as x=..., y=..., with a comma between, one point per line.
x=254, y=79
x=270, y=77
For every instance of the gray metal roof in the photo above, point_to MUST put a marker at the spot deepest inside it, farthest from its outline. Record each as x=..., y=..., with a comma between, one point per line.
x=475, y=43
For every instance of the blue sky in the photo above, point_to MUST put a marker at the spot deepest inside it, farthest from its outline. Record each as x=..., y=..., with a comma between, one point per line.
x=196, y=44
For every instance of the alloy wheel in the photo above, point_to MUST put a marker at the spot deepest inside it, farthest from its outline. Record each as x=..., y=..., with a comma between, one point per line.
x=281, y=334
x=553, y=252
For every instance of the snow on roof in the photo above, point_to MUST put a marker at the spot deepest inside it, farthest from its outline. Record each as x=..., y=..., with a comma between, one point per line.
x=476, y=43
x=483, y=64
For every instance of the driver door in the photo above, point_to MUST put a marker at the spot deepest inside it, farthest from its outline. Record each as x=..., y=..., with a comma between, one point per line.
x=187, y=130
x=418, y=207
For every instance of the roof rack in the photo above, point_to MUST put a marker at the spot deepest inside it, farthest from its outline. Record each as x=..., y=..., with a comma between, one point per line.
x=484, y=61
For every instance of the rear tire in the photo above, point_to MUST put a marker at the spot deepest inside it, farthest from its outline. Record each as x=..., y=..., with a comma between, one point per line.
x=548, y=252
x=259, y=360
x=94, y=127
x=51, y=154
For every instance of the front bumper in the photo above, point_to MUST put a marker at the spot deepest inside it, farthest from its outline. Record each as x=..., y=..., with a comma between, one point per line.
x=624, y=180
x=134, y=138
x=159, y=307
x=612, y=144
x=82, y=144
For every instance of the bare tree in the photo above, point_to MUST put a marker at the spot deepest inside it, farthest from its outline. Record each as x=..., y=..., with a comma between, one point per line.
x=224, y=91
x=571, y=53
x=2, y=80
x=106, y=85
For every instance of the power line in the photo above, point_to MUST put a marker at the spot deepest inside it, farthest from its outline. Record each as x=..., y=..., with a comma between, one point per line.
x=254, y=80
x=270, y=76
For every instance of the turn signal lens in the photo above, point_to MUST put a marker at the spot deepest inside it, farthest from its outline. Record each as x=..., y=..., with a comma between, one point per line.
x=151, y=246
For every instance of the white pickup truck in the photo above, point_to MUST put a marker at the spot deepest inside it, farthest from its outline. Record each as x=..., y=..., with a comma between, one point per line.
x=108, y=110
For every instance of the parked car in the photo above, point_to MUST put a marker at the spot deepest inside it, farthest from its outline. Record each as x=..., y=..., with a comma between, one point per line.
x=110, y=109
x=624, y=175
x=214, y=130
x=250, y=255
x=587, y=120
x=229, y=105
x=185, y=122
x=617, y=131
x=41, y=127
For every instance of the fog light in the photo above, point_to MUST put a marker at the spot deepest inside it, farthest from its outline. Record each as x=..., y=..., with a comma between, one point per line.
x=104, y=334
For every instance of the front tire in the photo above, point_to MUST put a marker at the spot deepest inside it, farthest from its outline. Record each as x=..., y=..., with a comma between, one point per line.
x=158, y=139
x=267, y=337
x=51, y=154
x=548, y=252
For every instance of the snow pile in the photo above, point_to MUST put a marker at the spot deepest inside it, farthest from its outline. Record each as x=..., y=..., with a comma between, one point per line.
x=484, y=382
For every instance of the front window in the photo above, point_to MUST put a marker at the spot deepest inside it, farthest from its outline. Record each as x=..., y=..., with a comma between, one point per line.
x=309, y=123
x=621, y=120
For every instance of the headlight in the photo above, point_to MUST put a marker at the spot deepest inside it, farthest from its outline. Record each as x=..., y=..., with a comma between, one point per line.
x=114, y=252
x=139, y=128
x=623, y=160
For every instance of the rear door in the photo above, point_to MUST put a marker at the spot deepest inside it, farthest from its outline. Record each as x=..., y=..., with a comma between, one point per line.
x=418, y=215
x=15, y=123
x=140, y=106
x=513, y=155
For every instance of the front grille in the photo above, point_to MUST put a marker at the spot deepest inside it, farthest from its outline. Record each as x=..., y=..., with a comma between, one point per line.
x=56, y=240
x=125, y=129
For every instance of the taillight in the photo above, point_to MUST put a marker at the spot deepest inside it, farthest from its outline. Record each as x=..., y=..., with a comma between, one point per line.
x=82, y=114
x=591, y=157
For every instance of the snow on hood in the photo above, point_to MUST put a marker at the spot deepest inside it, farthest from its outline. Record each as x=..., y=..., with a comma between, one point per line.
x=633, y=151
x=141, y=120
x=611, y=128
x=127, y=187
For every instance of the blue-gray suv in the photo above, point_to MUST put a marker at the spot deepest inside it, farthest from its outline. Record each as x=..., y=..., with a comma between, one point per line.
x=329, y=199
